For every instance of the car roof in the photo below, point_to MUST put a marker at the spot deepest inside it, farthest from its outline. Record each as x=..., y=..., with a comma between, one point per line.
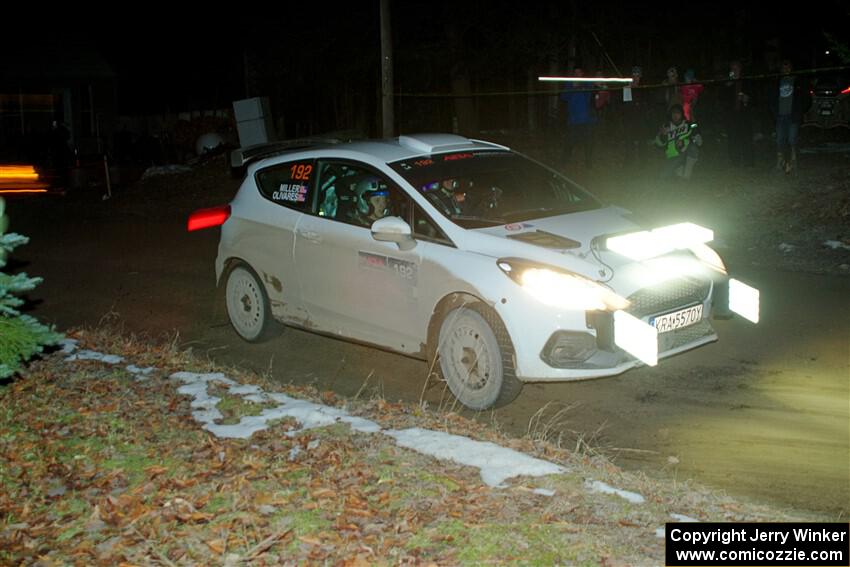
x=393, y=149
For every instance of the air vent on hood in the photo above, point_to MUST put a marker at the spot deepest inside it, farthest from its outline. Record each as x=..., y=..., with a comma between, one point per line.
x=546, y=240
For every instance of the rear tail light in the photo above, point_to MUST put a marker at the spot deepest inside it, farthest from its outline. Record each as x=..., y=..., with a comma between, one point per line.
x=207, y=218
x=20, y=179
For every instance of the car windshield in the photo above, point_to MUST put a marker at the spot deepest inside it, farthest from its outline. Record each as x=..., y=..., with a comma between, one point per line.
x=487, y=188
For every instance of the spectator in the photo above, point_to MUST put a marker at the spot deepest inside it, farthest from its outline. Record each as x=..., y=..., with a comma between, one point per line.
x=59, y=152
x=690, y=93
x=601, y=100
x=580, y=119
x=737, y=105
x=672, y=96
x=789, y=101
x=680, y=141
x=636, y=130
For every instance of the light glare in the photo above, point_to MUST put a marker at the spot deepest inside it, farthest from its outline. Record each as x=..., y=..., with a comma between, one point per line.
x=636, y=337
x=650, y=244
x=744, y=300
x=568, y=292
x=709, y=256
x=586, y=79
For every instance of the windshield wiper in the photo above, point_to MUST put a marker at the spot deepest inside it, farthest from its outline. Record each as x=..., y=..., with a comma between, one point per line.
x=490, y=221
x=533, y=210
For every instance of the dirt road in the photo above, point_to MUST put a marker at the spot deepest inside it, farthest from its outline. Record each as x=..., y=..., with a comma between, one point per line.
x=764, y=413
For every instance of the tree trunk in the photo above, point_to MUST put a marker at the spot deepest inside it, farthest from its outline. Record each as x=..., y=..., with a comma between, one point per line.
x=387, y=115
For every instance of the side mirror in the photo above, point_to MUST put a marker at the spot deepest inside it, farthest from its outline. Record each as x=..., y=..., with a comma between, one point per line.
x=393, y=229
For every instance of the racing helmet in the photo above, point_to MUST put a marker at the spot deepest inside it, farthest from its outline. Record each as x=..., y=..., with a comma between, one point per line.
x=367, y=188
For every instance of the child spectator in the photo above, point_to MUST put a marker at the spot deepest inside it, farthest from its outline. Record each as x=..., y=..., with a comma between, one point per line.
x=680, y=141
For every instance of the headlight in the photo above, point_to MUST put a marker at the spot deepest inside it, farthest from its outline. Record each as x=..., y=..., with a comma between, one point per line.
x=561, y=289
x=709, y=257
x=651, y=244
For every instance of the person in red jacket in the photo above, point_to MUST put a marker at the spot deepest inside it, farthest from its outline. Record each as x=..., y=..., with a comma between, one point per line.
x=690, y=92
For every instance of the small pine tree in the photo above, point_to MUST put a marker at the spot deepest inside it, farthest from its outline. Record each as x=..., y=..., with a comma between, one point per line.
x=21, y=336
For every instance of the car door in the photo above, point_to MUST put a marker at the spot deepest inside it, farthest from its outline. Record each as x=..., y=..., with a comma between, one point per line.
x=352, y=285
x=268, y=242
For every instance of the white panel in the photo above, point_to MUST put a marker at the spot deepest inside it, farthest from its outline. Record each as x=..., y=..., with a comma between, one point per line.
x=744, y=300
x=636, y=337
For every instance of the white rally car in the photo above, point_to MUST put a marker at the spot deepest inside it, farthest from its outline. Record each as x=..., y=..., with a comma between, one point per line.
x=441, y=247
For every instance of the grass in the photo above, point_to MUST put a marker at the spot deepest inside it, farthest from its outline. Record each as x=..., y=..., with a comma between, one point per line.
x=234, y=408
x=135, y=466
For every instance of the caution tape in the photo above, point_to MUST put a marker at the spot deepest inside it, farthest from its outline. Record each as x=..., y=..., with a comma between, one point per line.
x=551, y=92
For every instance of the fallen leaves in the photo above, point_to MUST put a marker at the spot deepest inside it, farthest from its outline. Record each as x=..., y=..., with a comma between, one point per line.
x=217, y=546
x=102, y=469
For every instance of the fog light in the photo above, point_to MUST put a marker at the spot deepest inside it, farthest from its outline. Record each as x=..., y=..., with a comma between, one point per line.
x=565, y=349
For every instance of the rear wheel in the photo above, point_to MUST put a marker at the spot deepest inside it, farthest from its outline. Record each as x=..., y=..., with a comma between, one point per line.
x=247, y=305
x=477, y=357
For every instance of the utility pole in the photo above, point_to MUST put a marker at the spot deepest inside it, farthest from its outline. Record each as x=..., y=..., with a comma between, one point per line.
x=387, y=118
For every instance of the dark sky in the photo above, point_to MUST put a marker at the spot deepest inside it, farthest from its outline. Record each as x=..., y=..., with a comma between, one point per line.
x=163, y=58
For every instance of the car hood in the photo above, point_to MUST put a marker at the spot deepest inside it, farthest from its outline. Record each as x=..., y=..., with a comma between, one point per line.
x=570, y=234
x=564, y=242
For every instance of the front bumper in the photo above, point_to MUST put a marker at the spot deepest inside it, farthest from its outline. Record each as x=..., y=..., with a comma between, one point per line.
x=569, y=354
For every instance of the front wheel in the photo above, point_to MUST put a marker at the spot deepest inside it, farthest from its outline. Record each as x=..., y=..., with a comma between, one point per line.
x=477, y=358
x=247, y=305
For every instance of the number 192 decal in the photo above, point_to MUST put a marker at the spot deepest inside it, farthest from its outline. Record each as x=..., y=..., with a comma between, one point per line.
x=301, y=171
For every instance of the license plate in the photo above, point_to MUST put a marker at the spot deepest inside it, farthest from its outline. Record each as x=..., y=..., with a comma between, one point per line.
x=677, y=319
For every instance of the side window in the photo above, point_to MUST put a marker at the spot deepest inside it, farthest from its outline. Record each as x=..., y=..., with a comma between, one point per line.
x=289, y=184
x=356, y=195
x=425, y=228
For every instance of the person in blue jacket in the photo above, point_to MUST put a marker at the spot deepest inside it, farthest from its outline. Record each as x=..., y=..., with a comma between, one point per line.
x=580, y=118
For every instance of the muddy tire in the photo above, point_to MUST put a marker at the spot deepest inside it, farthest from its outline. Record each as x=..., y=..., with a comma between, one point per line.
x=476, y=357
x=247, y=305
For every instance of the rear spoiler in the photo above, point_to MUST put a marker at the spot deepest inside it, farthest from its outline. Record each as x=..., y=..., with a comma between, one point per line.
x=243, y=156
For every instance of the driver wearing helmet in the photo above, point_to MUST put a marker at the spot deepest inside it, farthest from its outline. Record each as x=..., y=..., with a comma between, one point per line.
x=373, y=200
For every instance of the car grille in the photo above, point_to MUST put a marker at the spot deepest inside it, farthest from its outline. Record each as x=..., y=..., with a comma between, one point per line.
x=668, y=296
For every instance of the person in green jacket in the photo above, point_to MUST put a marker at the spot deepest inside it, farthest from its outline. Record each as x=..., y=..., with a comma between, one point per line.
x=681, y=141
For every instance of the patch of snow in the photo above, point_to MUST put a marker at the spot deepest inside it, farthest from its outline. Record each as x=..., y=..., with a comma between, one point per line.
x=208, y=412
x=245, y=390
x=496, y=463
x=308, y=414
x=294, y=452
x=195, y=377
x=94, y=355
x=256, y=398
x=660, y=532
x=154, y=171
x=311, y=415
x=786, y=247
x=601, y=487
x=246, y=427
x=836, y=245
x=140, y=373
x=68, y=345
